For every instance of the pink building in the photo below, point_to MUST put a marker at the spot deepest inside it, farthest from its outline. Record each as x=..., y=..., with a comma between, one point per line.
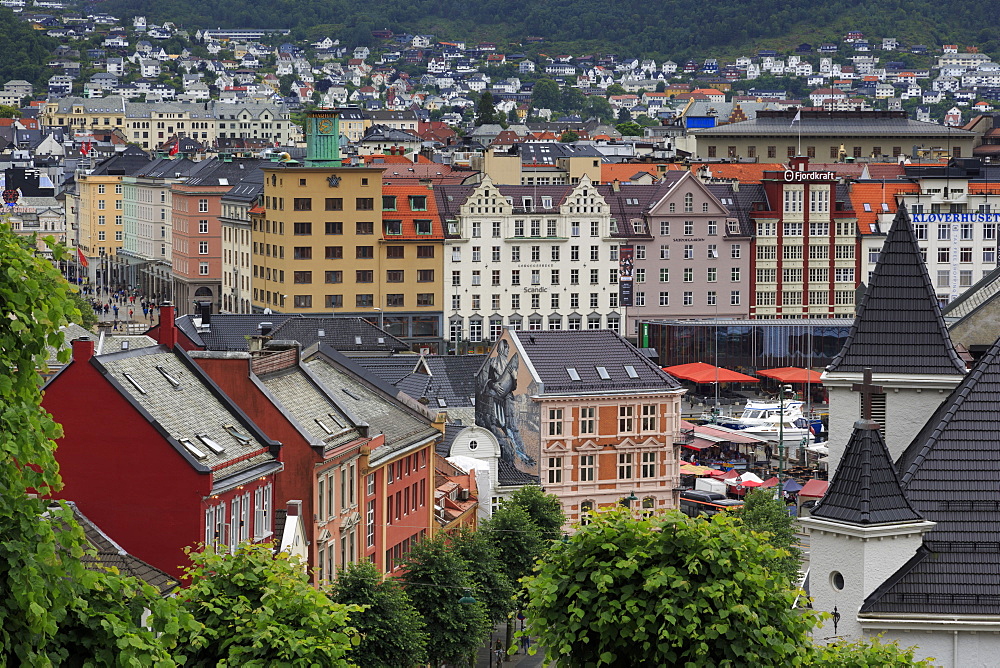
x=586, y=415
x=197, y=232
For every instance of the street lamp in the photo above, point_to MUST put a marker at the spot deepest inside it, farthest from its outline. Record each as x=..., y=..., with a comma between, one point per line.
x=627, y=501
x=381, y=316
x=781, y=430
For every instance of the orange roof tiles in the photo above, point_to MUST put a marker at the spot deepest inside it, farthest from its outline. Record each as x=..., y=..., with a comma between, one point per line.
x=624, y=171
x=408, y=216
x=744, y=172
x=874, y=194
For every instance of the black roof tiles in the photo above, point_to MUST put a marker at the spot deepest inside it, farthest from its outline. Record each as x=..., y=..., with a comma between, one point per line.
x=950, y=474
x=865, y=489
x=899, y=328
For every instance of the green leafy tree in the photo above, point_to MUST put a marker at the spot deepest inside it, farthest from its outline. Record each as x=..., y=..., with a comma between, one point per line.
x=437, y=579
x=392, y=632
x=52, y=609
x=666, y=591
x=767, y=515
x=492, y=586
x=545, y=510
x=873, y=653
x=485, y=111
x=568, y=137
x=629, y=129
x=624, y=115
x=617, y=89
x=661, y=87
x=7, y=111
x=572, y=99
x=545, y=94
x=599, y=107
x=258, y=609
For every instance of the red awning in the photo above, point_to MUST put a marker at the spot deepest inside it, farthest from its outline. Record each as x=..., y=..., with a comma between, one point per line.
x=814, y=488
x=790, y=374
x=700, y=372
x=770, y=482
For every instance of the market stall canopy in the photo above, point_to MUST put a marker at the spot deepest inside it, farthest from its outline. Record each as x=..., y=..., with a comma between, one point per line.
x=792, y=486
x=700, y=372
x=748, y=479
x=791, y=374
x=814, y=488
x=770, y=482
x=692, y=469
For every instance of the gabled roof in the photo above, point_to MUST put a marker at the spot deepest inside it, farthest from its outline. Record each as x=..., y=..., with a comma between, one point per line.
x=371, y=401
x=186, y=407
x=439, y=378
x=899, y=328
x=949, y=473
x=553, y=353
x=865, y=489
x=880, y=196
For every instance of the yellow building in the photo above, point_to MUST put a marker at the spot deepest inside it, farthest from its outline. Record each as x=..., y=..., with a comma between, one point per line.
x=332, y=240
x=81, y=114
x=99, y=211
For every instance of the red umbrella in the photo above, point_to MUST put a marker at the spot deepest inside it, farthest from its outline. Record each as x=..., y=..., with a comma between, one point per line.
x=700, y=372
x=791, y=374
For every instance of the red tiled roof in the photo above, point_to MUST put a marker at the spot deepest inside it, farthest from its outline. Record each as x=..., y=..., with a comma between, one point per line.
x=875, y=194
x=744, y=172
x=407, y=216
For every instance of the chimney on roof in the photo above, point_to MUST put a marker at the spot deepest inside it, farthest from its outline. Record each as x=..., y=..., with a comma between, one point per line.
x=167, y=334
x=294, y=508
x=83, y=349
x=205, y=309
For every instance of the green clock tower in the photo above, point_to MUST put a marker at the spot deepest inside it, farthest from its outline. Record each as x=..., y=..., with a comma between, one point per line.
x=323, y=138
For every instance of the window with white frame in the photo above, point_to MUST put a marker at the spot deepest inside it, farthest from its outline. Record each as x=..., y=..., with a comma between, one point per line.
x=555, y=422
x=624, y=465
x=648, y=469
x=555, y=470
x=587, y=468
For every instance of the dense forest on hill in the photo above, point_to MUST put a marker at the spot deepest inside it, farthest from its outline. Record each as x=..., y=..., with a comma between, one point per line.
x=24, y=51
x=670, y=28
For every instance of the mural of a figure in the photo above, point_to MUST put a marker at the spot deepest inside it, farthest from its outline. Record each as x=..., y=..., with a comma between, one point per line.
x=495, y=405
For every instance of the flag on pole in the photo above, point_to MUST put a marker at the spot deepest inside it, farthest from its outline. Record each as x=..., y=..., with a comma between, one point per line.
x=85, y=148
x=82, y=258
x=797, y=119
x=175, y=148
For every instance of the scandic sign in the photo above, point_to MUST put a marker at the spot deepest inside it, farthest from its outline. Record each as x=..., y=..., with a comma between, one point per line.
x=792, y=176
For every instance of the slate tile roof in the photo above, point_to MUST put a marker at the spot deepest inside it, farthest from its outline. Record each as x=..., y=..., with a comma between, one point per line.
x=450, y=378
x=949, y=473
x=865, y=489
x=228, y=331
x=311, y=408
x=110, y=554
x=371, y=401
x=183, y=404
x=552, y=353
x=899, y=328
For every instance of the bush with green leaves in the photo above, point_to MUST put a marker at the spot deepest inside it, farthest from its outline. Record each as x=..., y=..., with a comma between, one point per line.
x=667, y=590
x=392, y=631
x=260, y=609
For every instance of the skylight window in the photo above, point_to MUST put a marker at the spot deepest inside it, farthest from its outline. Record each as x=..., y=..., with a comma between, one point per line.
x=237, y=434
x=868, y=207
x=885, y=207
x=351, y=394
x=323, y=426
x=573, y=375
x=192, y=448
x=210, y=444
x=603, y=373
x=442, y=403
x=357, y=340
x=134, y=383
x=170, y=379
x=336, y=420
x=630, y=370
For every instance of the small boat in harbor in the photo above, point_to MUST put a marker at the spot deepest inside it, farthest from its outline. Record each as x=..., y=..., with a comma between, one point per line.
x=766, y=419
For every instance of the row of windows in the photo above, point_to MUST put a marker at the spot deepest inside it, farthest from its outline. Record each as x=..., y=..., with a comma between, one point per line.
x=816, y=275
x=329, y=204
x=965, y=231
x=534, y=301
x=362, y=276
x=326, y=507
x=791, y=150
x=628, y=464
x=457, y=330
x=816, y=298
x=337, y=301
x=243, y=522
x=687, y=298
x=842, y=228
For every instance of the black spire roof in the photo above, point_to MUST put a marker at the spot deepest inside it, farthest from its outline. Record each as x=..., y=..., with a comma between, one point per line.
x=899, y=328
x=951, y=475
x=865, y=489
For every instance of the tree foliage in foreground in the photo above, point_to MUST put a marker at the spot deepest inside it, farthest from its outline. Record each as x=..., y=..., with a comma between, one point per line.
x=392, y=632
x=258, y=609
x=436, y=579
x=545, y=510
x=671, y=591
x=52, y=609
x=765, y=514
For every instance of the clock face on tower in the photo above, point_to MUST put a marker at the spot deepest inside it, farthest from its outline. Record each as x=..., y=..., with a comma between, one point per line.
x=325, y=125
